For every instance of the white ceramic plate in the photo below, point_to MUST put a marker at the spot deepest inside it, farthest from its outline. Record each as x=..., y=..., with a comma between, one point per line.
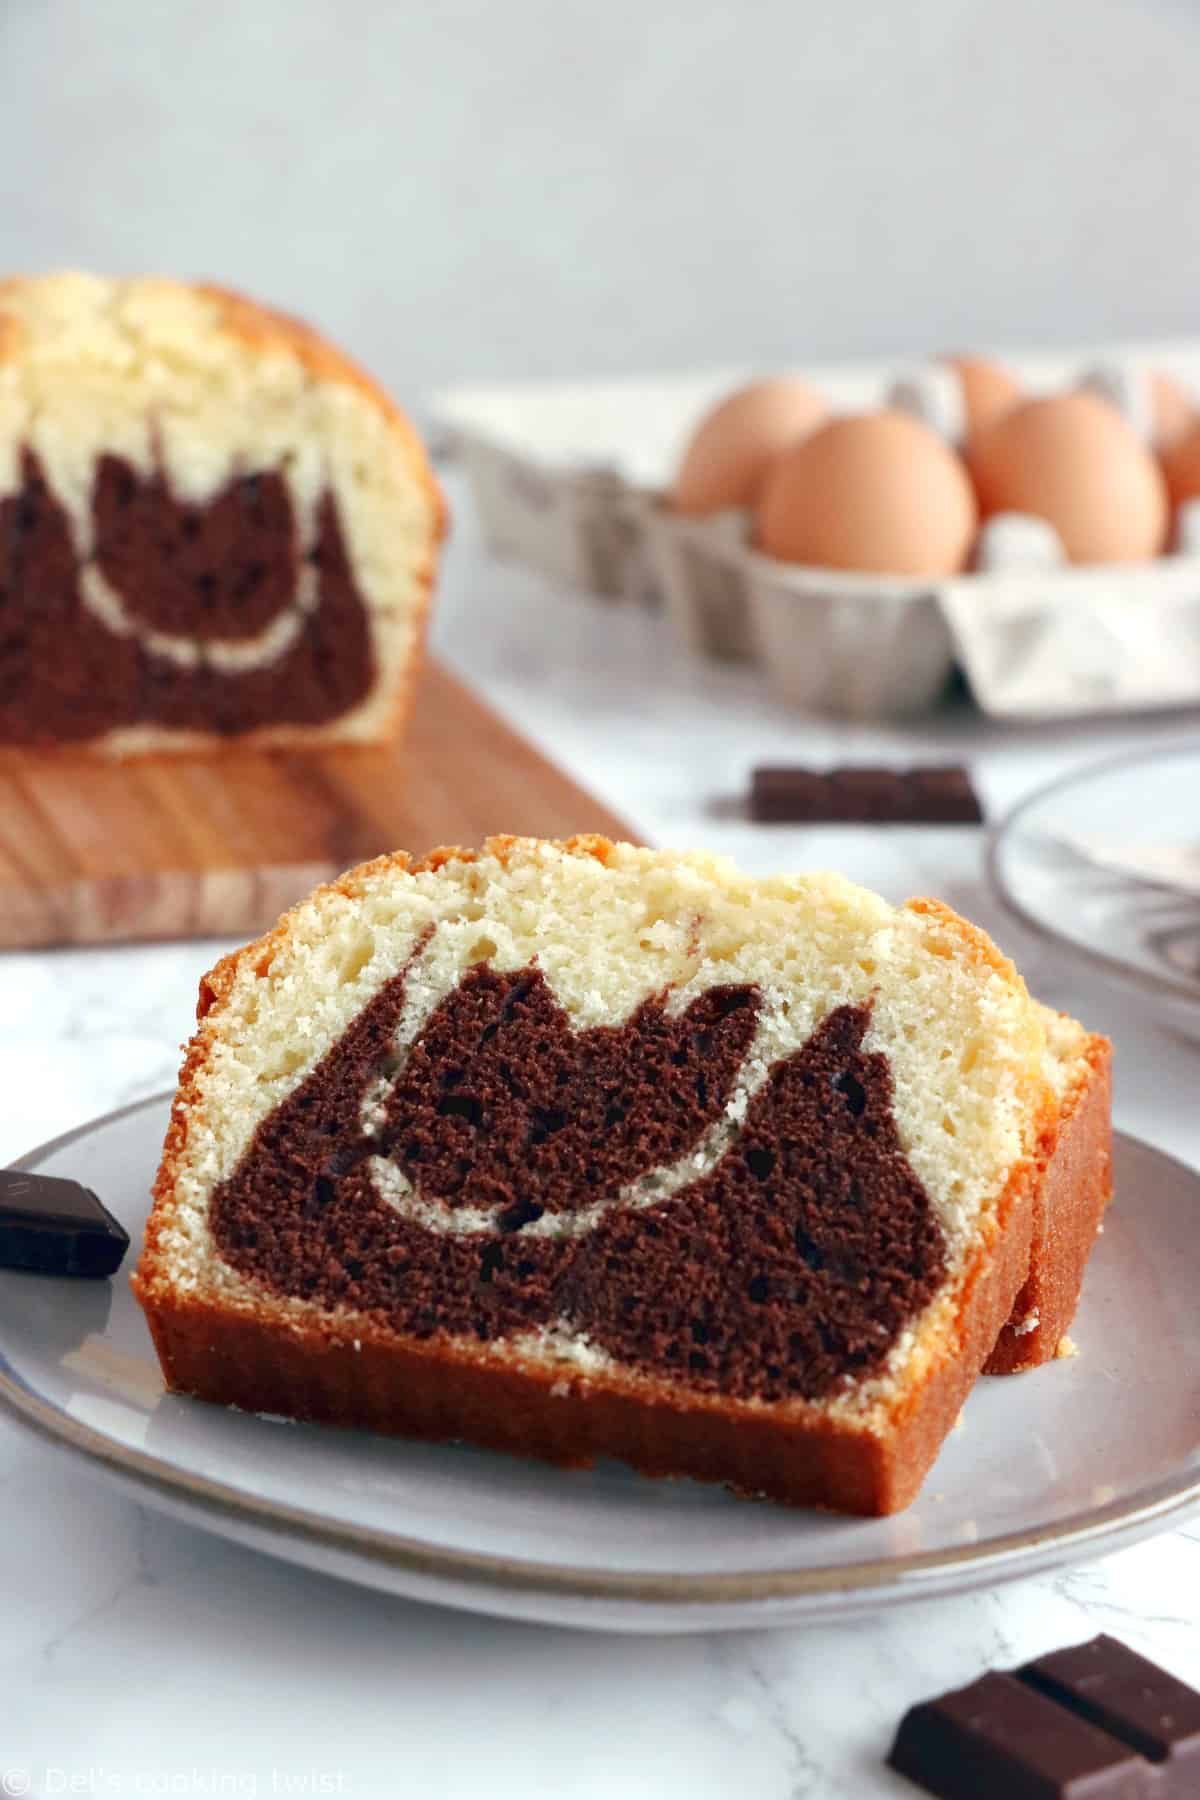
x=1071, y=1461
x=1052, y=863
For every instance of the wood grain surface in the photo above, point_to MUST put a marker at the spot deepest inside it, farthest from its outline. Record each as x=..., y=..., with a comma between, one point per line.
x=94, y=852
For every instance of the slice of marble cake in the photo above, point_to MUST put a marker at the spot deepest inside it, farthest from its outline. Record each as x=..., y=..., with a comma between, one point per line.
x=214, y=527
x=581, y=1150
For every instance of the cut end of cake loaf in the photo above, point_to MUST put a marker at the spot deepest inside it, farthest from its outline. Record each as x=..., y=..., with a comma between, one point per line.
x=1075, y=1189
x=581, y=1150
x=214, y=527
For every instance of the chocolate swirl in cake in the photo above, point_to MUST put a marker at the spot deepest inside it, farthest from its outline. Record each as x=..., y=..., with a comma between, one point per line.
x=561, y=1183
x=213, y=617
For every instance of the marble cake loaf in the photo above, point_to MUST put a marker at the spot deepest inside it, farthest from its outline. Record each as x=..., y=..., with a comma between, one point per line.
x=581, y=1150
x=213, y=526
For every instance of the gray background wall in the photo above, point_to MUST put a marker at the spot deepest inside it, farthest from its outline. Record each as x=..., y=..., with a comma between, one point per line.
x=535, y=187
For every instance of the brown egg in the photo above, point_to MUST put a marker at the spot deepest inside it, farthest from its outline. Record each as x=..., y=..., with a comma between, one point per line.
x=1073, y=460
x=1172, y=409
x=1160, y=408
x=736, y=442
x=988, y=389
x=1181, y=466
x=879, y=492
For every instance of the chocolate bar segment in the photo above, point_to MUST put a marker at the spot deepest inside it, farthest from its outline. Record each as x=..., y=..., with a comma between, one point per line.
x=939, y=794
x=945, y=795
x=1001, y=1740
x=56, y=1227
x=1095, y=1722
x=787, y=796
x=866, y=796
x=1110, y=1684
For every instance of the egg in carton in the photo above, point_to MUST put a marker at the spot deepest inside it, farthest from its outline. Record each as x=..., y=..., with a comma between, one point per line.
x=955, y=395
x=783, y=572
x=1159, y=408
x=1035, y=633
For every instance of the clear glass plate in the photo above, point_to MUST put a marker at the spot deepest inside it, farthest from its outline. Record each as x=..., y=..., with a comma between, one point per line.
x=1045, y=862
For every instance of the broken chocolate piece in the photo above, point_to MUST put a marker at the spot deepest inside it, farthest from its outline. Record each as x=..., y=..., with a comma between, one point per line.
x=1001, y=1740
x=938, y=794
x=57, y=1227
x=1110, y=1684
x=1092, y=1721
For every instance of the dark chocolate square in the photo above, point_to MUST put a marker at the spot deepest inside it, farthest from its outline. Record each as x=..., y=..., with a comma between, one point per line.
x=863, y=794
x=1110, y=1684
x=868, y=796
x=791, y=796
x=1000, y=1740
x=55, y=1227
x=1094, y=1722
x=944, y=794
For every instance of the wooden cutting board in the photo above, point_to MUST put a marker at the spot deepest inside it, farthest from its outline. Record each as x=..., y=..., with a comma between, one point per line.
x=93, y=853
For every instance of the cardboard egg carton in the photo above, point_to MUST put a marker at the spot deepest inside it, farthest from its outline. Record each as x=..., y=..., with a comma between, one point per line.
x=569, y=479
x=855, y=645
x=560, y=472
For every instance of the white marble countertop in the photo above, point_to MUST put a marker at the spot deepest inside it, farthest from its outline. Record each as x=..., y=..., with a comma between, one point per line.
x=138, y=1656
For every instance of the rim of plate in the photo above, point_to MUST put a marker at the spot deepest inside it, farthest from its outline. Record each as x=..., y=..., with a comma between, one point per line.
x=1001, y=836
x=1159, y=1506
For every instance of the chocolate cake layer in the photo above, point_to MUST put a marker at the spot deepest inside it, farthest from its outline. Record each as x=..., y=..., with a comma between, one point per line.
x=224, y=571
x=798, y=1260
x=794, y=1261
x=500, y=1103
